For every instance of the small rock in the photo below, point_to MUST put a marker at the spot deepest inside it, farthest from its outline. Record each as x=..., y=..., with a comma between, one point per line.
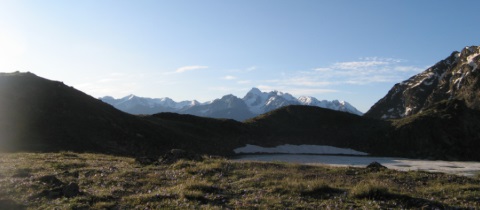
x=376, y=166
x=51, y=180
x=71, y=190
x=90, y=173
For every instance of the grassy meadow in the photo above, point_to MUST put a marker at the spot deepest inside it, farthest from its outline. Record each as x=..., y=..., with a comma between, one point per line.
x=45, y=180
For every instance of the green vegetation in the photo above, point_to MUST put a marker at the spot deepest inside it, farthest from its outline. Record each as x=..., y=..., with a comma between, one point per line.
x=32, y=180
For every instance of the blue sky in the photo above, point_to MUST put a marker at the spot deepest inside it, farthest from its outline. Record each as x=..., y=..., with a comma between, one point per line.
x=191, y=49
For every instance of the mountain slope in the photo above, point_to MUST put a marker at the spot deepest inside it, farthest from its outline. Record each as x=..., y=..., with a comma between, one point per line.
x=37, y=114
x=456, y=77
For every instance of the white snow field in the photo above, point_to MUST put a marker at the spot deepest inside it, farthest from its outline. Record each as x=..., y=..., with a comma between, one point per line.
x=403, y=164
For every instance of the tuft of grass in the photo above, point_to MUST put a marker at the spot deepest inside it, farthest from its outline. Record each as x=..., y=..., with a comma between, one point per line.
x=22, y=173
x=370, y=190
x=321, y=190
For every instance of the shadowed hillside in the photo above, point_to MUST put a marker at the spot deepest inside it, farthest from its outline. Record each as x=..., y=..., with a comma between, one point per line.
x=314, y=125
x=37, y=114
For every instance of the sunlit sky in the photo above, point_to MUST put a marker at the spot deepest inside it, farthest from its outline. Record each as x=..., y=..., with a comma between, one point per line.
x=204, y=49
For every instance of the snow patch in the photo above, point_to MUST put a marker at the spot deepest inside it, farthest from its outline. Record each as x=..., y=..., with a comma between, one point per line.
x=298, y=149
x=458, y=81
x=408, y=111
x=471, y=62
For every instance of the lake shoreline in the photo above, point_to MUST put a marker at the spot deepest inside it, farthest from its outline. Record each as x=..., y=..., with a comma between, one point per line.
x=464, y=168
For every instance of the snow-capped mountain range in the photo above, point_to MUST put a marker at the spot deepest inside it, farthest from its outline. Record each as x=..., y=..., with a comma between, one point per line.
x=254, y=103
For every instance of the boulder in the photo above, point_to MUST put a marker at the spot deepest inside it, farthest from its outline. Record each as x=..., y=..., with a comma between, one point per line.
x=375, y=166
x=71, y=190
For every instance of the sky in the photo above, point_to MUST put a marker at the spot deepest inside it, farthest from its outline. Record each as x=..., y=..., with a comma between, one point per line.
x=203, y=49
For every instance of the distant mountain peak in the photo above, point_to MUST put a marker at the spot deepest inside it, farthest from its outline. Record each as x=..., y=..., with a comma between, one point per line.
x=255, y=91
x=129, y=97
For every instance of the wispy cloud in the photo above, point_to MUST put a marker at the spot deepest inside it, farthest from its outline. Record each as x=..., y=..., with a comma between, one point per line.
x=112, y=84
x=229, y=77
x=251, y=68
x=244, y=82
x=409, y=68
x=358, y=64
x=330, y=78
x=363, y=71
x=244, y=70
x=189, y=68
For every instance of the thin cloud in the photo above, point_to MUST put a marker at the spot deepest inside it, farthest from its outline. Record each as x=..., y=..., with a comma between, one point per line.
x=409, y=68
x=189, y=68
x=326, y=79
x=297, y=91
x=245, y=70
x=364, y=71
x=244, y=82
x=305, y=81
x=322, y=69
x=358, y=65
x=310, y=91
x=229, y=77
x=251, y=68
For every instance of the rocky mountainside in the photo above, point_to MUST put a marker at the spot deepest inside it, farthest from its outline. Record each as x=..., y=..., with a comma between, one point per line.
x=456, y=77
x=252, y=104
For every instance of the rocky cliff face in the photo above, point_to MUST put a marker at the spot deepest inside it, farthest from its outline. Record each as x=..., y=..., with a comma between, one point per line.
x=456, y=77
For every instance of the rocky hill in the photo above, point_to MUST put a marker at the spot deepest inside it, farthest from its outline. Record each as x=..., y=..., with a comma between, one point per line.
x=455, y=77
